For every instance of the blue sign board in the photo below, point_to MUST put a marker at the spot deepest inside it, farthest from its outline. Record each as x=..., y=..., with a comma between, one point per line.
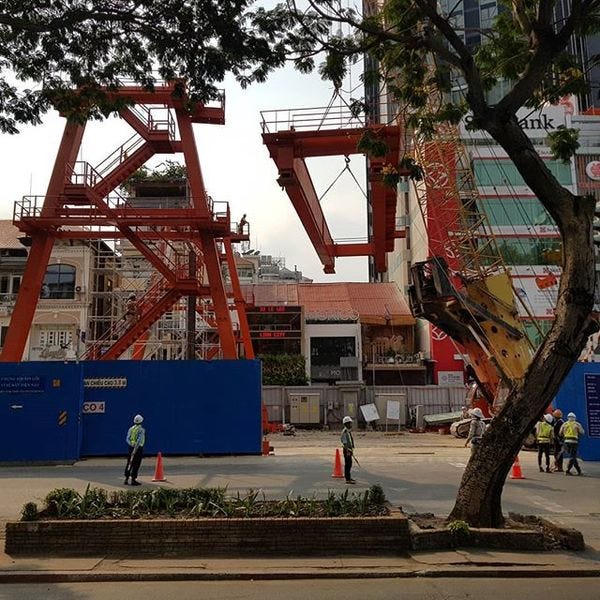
x=580, y=393
x=592, y=402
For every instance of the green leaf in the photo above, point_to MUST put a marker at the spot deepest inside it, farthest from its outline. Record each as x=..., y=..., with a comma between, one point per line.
x=563, y=142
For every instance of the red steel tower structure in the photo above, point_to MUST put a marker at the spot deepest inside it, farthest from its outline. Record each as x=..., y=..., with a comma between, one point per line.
x=186, y=246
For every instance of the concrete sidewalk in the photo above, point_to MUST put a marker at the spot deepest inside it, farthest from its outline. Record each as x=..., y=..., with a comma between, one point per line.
x=455, y=563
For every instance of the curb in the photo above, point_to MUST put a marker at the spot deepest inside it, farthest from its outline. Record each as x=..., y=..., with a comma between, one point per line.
x=463, y=573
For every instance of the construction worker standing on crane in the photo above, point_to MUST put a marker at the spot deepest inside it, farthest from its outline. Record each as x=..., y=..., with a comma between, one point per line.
x=136, y=438
x=544, y=436
x=571, y=431
x=347, y=448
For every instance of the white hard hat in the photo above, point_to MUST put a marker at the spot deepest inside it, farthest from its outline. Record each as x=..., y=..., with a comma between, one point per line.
x=571, y=416
x=138, y=419
x=346, y=420
x=131, y=296
x=476, y=412
x=548, y=418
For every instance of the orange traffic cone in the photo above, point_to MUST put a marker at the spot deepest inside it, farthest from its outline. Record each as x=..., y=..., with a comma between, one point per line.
x=337, y=466
x=159, y=474
x=516, y=470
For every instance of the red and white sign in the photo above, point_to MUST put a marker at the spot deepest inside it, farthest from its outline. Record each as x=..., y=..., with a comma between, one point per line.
x=592, y=170
x=534, y=299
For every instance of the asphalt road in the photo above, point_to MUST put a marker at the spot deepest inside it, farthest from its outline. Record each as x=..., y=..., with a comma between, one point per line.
x=420, y=472
x=359, y=589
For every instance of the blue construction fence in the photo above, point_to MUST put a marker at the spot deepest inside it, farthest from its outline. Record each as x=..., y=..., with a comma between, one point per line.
x=580, y=393
x=54, y=411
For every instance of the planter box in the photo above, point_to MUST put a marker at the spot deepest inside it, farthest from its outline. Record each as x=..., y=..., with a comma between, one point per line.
x=341, y=536
x=497, y=539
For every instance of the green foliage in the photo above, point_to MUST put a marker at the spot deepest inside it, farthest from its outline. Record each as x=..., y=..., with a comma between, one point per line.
x=377, y=495
x=170, y=170
x=61, y=502
x=563, y=142
x=390, y=176
x=460, y=532
x=55, y=46
x=96, y=503
x=372, y=145
x=415, y=171
x=458, y=527
x=30, y=512
x=283, y=369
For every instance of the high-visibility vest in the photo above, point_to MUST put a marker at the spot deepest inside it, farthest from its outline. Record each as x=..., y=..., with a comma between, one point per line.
x=571, y=431
x=134, y=432
x=544, y=432
x=347, y=439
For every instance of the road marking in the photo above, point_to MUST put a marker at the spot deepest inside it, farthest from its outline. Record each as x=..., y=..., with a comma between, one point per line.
x=549, y=506
x=458, y=465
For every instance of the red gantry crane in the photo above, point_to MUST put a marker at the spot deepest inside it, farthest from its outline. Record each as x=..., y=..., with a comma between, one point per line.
x=293, y=135
x=185, y=246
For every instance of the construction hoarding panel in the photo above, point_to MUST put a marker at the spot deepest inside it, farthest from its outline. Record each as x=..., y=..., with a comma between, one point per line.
x=189, y=407
x=40, y=404
x=580, y=393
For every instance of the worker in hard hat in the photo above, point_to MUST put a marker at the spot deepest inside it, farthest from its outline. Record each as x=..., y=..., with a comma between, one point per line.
x=347, y=448
x=571, y=431
x=136, y=438
x=131, y=309
x=476, y=430
x=558, y=441
x=544, y=436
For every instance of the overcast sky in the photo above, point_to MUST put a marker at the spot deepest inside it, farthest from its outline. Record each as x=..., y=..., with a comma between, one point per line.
x=236, y=167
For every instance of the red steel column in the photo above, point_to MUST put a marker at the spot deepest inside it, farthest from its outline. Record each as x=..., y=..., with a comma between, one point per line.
x=209, y=249
x=41, y=248
x=192, y=163
x=240, y=305
x=219, y=296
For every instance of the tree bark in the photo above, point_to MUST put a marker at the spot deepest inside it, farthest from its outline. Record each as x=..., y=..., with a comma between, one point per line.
x=479, y=497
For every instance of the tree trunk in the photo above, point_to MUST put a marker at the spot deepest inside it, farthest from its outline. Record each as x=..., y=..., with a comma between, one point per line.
x=479, y=498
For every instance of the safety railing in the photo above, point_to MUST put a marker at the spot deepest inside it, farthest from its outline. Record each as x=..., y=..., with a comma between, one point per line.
x=114, y=333
x=156, y=119
x=120, y=155
x=81, y=173
x=27, y=207
x=310, y=119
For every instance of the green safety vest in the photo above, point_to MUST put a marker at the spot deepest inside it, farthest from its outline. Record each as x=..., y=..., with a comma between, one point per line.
x=133, y=435
x=544, y=432
x=571, y=431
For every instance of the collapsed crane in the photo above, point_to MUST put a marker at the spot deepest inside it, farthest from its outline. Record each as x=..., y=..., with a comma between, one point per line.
x=464, y=288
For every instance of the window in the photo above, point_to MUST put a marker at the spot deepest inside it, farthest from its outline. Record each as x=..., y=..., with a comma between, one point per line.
x=515, y=211
x=3, y=332
x=326, y=351
x=59, y=282
x=56, y=337
x=503, y=172
x=530, y=251
x=9, y=286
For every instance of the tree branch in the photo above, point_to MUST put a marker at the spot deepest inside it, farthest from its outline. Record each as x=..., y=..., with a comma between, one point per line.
x=547, y=46
x=476, y=96
x=532, y=168
x=70, y=18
